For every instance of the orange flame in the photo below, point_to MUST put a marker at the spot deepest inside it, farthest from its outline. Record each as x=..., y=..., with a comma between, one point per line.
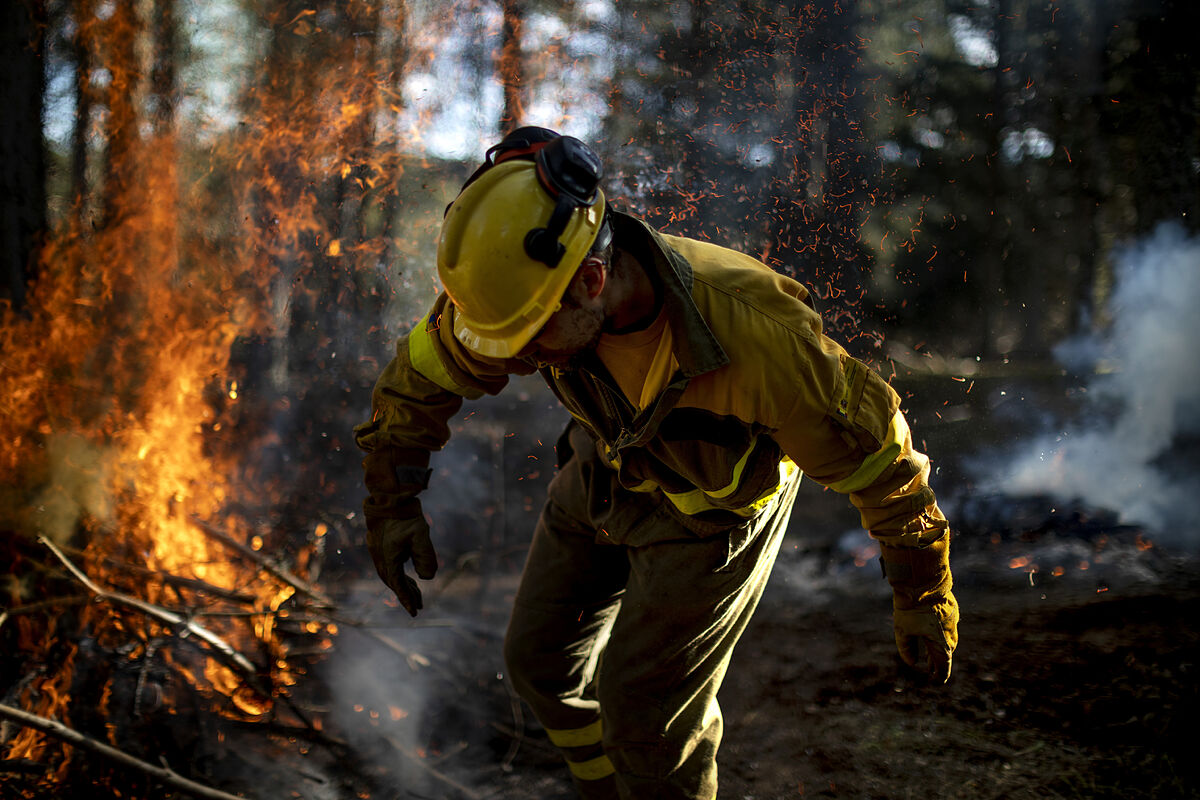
x=117, y=399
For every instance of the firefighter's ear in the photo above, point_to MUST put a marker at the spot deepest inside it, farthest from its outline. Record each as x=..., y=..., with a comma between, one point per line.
x=592, y=276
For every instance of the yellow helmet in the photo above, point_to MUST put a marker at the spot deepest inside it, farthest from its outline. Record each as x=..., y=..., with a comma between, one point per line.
x=509, y=248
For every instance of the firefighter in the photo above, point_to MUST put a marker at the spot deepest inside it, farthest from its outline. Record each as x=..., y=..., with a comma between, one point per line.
x=700, y=387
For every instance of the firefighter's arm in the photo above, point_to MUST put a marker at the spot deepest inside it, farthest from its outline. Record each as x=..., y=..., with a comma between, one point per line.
x=420, y=389
x=851, y=436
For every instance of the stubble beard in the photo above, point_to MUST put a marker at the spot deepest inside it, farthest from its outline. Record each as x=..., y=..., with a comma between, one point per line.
x=585, y=330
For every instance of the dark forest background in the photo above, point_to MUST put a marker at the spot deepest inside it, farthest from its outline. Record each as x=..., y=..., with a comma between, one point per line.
x=216, y=216
x=951, y=177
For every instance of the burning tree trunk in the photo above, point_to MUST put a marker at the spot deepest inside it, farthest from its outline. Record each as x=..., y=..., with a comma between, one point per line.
x=123, y=95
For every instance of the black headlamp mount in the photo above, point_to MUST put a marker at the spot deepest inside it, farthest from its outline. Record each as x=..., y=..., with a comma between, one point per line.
x=568, y=170
x=570, y=173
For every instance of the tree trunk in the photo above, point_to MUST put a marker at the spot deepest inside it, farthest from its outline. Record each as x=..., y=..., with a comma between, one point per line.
x=991, y=261
x=22, y=161
x=121, y=162
x=83, y=109
x=512, y=66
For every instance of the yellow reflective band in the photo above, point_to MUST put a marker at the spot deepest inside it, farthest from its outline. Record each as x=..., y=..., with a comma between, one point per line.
x=576, y=737
x=698, y=501
x=874, y=465
x=424, y=358
x=737, y=473
x=787, y=468
x=593, y=769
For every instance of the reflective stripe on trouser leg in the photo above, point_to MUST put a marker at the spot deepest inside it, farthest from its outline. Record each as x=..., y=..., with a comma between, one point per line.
x=583, y=751
x=560, y=622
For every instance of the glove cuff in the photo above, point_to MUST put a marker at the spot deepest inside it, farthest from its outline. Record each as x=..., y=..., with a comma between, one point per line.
x=919, y=576
x=396, y=471
x=390, y=506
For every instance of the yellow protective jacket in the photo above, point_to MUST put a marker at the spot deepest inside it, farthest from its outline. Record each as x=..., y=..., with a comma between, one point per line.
x=756, y=392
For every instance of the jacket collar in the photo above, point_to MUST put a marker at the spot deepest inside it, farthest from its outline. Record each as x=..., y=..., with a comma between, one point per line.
x=695, y=347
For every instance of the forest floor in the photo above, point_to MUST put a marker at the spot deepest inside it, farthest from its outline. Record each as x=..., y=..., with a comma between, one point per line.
x=1058, y=690
x=1076, y=685
x=1062, y=687
x=1075, y=680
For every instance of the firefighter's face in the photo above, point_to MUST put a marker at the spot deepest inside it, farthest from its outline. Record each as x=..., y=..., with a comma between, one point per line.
x=576, y=327
x=572, y=331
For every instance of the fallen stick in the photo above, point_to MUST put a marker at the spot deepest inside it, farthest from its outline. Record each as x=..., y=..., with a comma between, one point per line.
x=189, y=627
x=194, y=584
x=169, y=579
x=267, y=564
x=414, y=659
x=41, y=605
x=470, y=794
x=71, y=736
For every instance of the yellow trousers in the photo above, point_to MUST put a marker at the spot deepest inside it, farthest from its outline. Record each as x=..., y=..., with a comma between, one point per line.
x=623, y=627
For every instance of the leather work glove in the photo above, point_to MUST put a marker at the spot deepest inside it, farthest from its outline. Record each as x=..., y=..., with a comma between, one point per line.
x=392, y=544
x=396, y=529
x=924, y=611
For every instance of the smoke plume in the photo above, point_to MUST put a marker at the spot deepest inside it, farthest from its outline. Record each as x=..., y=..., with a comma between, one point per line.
x=1131, y=449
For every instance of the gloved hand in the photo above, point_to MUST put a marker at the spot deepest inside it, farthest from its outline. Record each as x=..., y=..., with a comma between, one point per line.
x=935, y=628
x=392, y=544
x=924, y=610
x=396, y=529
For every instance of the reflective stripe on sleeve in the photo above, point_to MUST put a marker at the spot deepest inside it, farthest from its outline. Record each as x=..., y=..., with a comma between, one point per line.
x=874, y=465
x=576, y=737
x=424, y=358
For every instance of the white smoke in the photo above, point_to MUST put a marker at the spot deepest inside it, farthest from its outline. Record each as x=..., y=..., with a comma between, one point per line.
x=1127, y=452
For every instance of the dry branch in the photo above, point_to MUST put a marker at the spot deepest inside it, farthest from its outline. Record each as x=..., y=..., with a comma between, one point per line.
x=267, y=564
x=74, y=737
x=177, y=621
x=434, y=773
x=415, y=660
x=41, y=605
x=195, y=584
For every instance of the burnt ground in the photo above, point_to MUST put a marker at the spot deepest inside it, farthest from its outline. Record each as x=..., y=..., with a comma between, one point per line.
x=1058, y=690
x=1076, y=685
